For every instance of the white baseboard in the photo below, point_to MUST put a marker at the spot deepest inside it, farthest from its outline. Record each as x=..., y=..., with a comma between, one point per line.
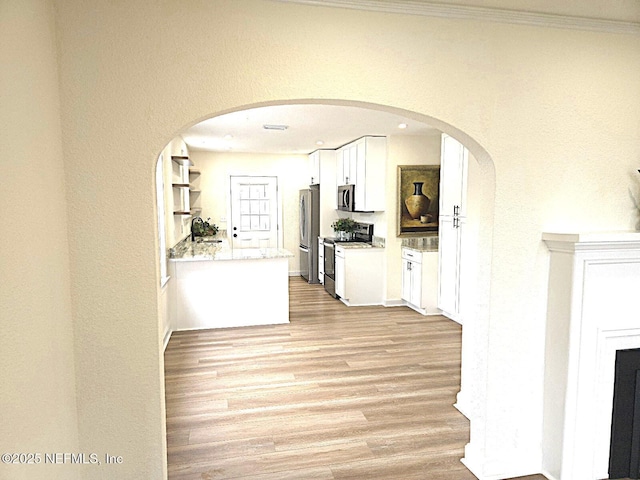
x=394, y=303
x=510, y=464
x=167, y=337
x=462, y=405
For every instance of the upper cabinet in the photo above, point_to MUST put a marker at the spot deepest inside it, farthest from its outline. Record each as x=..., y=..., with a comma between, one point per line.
x=314, y=168
x=453, y=177
x=363, y=163
x=318, y=162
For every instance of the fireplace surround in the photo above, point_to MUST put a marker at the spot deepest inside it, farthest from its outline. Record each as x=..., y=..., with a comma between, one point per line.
x=624, y=458
x=593, y=311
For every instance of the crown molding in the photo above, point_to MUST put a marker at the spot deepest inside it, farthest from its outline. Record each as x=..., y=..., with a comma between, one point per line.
x=430, y=9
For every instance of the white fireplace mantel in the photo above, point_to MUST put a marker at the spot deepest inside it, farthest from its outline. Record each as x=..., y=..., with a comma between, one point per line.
x=593, y=311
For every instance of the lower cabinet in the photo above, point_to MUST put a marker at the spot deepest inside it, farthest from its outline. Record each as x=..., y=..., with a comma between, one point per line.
x=451, y=231
x=360, y=275
x=420, y=280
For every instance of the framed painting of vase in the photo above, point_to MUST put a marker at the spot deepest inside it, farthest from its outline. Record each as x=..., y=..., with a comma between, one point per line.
x=418, y=200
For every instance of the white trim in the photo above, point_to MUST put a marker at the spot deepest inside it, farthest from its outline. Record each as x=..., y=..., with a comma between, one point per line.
x=395, y=303
x=167, y=337
x=463, y=405
x=495, y=15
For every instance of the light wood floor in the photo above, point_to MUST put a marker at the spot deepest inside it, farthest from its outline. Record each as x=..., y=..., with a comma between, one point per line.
x=339, y=393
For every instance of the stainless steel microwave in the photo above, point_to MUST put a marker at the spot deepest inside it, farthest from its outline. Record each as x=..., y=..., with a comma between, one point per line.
x=346, y=194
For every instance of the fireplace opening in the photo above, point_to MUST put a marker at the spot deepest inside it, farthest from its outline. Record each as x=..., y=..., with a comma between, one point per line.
x=624, y=456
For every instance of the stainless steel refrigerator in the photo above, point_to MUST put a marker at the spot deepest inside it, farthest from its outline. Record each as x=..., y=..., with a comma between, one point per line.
x=309, y=231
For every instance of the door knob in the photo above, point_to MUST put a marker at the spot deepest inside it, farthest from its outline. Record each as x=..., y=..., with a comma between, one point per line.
x=235, y=228
x=235, y=235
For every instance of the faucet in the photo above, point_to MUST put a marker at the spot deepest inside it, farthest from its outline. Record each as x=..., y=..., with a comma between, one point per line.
x=193, y=221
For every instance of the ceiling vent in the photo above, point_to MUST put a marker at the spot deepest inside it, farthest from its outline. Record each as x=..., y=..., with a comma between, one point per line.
x=275, y=127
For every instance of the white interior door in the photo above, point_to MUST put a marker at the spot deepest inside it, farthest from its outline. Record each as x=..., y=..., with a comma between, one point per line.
x=254, y=212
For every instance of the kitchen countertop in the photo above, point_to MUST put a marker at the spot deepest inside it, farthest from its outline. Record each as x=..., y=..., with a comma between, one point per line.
x=377, y=242
x=187, y=250
x=355, y=245
x=423, y=249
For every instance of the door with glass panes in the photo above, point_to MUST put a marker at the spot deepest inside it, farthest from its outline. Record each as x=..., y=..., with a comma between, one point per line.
x=254, y=212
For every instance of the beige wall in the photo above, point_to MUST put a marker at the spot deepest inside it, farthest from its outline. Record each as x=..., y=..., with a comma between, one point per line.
x=551, y=112
x=292, y=174
x=37, y=373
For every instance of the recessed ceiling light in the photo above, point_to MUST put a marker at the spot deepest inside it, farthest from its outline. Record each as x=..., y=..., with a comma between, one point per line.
x=403, y=125
x=275, y=127
x=319, y=143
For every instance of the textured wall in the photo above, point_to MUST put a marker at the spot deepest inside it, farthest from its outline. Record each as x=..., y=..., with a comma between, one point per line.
x=556, y=111
x=37, y=392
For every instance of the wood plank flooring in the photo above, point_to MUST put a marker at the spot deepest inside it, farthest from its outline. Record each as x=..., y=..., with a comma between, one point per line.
x=339, y=393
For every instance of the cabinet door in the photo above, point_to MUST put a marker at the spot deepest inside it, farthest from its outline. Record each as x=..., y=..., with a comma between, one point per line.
x=453, y=177
x=416, y=284
x=406, y=280
x=449, y=290
x=412, y=282
x=358, y=171
x=342, y=166
x=340, y=277
x=314, y=168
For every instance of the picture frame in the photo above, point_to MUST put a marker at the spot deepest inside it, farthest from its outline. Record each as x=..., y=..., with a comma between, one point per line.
x=417, y=213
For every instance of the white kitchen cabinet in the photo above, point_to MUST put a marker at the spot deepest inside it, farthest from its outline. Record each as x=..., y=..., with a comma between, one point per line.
x=453, y=177
x=420, y=280
x=363, y=163
x=347, y=170
x=452, y=220
x=314, y=168
x=359, y=275
x=321, y=260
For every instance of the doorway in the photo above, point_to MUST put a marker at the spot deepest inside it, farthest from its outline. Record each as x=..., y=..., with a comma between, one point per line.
x=474, y=352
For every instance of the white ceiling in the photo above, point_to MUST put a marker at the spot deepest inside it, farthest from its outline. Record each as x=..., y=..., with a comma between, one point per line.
x=244, y=131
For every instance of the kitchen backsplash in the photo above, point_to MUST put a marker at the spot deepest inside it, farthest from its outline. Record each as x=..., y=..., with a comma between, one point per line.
x=422, y=243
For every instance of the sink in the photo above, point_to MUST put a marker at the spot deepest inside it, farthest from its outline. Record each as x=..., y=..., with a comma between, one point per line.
x=209, y=240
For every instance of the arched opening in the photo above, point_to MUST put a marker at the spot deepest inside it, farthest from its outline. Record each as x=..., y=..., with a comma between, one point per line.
x=476, y=250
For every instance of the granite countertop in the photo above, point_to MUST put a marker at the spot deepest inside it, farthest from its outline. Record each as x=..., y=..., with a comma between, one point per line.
x=355, y=245
x=187, y=250
x=377, y=243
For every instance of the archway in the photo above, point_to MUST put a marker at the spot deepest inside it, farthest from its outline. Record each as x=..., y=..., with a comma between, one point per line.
x=477, y=259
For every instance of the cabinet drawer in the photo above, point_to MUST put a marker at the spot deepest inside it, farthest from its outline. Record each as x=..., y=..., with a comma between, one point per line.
x=339, y=252
x=412, y=255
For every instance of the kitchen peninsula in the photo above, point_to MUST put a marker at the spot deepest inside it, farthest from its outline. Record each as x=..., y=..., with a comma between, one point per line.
x=218, y=286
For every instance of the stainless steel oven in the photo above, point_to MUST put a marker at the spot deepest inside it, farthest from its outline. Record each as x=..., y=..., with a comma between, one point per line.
x=363, y=234
x=330, y=266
